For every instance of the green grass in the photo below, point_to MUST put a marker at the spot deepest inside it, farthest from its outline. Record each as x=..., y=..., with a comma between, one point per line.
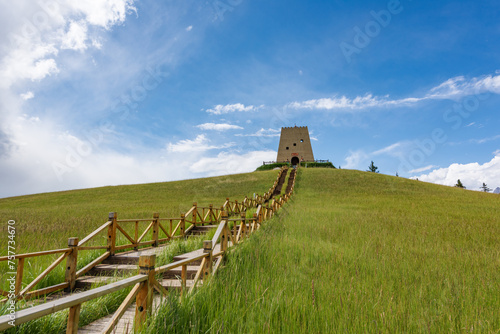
x=272, y=166
x=46, y=221
x=357, y=252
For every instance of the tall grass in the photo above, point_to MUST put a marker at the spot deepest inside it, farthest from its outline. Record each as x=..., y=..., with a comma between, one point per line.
x=46, y=221
x=357, y=252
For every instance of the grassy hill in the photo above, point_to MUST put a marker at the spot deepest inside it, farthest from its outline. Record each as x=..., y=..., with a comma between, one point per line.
x=352, y=252
x=358, y=252
x=46, y=221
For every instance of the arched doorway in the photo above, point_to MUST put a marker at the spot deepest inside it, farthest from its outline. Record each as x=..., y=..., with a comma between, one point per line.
x=295, y=161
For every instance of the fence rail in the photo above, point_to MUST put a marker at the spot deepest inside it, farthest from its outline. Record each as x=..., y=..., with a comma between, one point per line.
x=145, y=282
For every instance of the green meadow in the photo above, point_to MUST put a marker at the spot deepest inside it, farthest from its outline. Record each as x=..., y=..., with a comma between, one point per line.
x=46, y=221
x=357, y=252
x=351, y=252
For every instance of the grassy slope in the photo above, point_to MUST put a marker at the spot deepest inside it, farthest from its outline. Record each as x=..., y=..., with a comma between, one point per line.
x=46, y=221
x=358, y=252
x=60, y=215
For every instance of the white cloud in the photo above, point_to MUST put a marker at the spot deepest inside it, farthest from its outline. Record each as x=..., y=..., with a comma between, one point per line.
x=230, y=108
x=472, y=175
x=218, y=127
x=423, y=169
x=389, y=149
x=76, y=36
x=459, y=87
x=199, y=144
x=354, y=159
x=453, y=88
x=189, y=28
x=230, y=163
x=35, y=43
x=344, y=103
x=262, y=133
x=484, y=140
x=27, y=95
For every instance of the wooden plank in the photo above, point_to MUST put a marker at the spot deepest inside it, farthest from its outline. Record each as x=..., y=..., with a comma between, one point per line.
x=133, y=220
x=93, y=234
x=45, y=291
x=39, y=311
x=42, y=253
x=125, y=234
x=71, y=262
x=198, y=274
x=179, y=263
x=217, y=264
x=92, y=247
x=19, y=276
x=144, y=298
x=91, y=265
x=164, y=231
x=73, y=318
x=218, y=233
x=158, y=287
x=190, y=211
x=144, y=233
x=121, y=310
x=43, y=274
x=176, y=228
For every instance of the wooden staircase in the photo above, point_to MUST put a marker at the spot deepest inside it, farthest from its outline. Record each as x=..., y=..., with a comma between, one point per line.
x=126, y=264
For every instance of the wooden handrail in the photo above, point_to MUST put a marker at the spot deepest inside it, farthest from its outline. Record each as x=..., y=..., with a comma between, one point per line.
x=179, y=263
x=41, y=310
x=93, y=234
x=42, y=253
x=218, y=233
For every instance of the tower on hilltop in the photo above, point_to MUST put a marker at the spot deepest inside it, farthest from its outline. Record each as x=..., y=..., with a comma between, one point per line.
x=295, y=145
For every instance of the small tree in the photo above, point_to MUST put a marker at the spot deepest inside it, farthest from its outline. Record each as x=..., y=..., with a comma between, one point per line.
x=459, y=184
x=372, y=168
x=485, y=188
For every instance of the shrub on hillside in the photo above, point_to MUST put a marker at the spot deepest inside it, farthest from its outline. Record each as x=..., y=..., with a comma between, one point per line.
x=272, y=166
x=317, y=165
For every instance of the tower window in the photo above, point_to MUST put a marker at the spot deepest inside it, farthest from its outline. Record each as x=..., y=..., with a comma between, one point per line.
x=287, y=147
x=294, y=144
x=302, y=140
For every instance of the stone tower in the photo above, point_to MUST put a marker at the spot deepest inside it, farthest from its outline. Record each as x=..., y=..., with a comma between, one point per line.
x=295, y=145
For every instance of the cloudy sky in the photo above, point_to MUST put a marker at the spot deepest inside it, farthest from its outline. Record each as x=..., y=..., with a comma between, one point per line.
x=108, y=92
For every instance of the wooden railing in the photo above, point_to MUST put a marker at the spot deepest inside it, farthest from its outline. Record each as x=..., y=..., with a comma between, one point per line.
x=144, y=283
x=158, y=230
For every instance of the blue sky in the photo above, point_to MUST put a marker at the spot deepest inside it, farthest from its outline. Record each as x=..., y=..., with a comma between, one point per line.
x=123, y=91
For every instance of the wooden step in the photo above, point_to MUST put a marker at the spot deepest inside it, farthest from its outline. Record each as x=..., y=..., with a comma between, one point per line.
x=113, y=269
x=175, y=284
x=176, y=273
x=87, y=282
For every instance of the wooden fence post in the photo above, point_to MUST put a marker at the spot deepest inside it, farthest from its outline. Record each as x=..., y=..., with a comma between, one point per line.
x=211, y=213
x=225, y=233
x=207, y=249
x=71, y=261
x=19, y=276
x=182, y=226
x=156, y=228
x=255, y=226
x=112, y=233
x=73, y=319
x=243, y=216
x=183, y=278
x=144, y=299
x=194, y=215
